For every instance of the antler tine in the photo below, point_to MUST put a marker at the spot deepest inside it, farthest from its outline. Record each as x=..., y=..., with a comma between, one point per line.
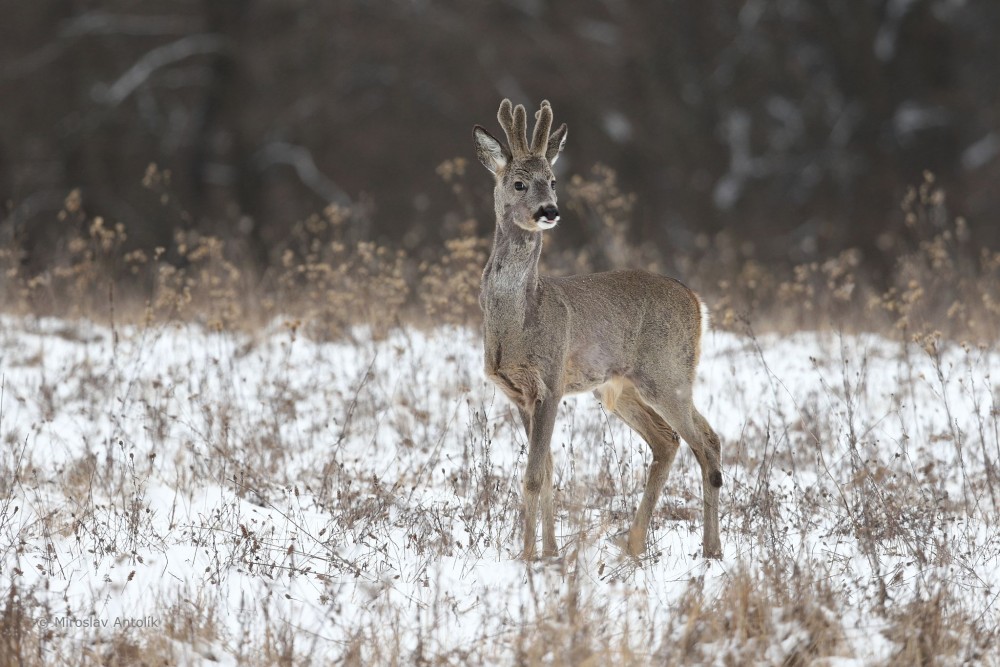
x=519, y=140
x=505, y=118
x=543, y=125
x=512, y=120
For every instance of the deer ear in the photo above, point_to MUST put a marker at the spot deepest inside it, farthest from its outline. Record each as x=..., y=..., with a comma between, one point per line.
x=493, y=154
x=557, y=140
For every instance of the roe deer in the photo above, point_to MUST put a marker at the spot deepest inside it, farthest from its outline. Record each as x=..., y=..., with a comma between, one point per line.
x=631, y=337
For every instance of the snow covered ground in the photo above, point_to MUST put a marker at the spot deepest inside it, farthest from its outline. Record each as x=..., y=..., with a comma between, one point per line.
x=222, y=498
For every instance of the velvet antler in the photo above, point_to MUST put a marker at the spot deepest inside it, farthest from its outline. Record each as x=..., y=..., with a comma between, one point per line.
x=544, y=142
x=515, y=127
x=543, y=124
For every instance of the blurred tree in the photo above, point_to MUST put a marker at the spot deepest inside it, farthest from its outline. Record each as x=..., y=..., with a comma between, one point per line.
x=794, y=125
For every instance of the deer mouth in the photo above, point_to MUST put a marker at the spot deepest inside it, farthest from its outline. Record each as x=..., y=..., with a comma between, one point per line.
x=538, y=224
x=547, y=217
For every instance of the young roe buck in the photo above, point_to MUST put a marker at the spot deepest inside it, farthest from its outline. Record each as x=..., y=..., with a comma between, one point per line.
x=631, y=337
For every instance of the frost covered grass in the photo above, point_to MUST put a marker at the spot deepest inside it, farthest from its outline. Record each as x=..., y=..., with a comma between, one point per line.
x=175, y=495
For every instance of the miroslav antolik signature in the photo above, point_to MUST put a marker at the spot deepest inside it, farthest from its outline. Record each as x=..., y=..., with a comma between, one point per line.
x=97, y=622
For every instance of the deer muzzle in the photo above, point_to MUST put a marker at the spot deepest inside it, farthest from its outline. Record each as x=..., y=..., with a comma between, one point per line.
x=547, y=216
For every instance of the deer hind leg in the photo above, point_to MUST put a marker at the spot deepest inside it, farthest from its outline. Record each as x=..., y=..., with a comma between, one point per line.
x=664, y=442
x=710, y=460
x=679, y=411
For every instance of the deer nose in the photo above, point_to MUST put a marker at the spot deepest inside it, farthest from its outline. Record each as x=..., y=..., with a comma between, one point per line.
x=550, y=213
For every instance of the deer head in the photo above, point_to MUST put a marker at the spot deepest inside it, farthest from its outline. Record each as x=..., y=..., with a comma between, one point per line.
x=525, y=192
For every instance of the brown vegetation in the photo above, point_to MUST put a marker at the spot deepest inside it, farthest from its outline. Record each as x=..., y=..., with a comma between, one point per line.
x=943, y=280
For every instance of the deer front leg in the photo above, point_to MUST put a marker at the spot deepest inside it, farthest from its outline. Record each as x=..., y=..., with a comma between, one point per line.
x=538, y=479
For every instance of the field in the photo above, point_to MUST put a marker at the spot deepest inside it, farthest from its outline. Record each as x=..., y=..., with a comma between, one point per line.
x=204, y=462
x=175, y=493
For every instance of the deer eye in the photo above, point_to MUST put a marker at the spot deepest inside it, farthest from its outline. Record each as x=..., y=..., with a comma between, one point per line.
x=553, y=185
x=519, y=186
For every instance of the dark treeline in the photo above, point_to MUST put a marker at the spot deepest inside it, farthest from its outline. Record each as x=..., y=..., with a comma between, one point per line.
x=794, y=124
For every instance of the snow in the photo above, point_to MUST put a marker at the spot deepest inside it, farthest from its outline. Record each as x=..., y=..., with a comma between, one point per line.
x=336, y=489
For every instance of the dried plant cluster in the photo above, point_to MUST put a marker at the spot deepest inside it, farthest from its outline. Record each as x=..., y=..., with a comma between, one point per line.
x=939, y=280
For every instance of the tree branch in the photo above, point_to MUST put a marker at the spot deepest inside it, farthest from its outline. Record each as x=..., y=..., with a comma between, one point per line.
x=300, y=159
x=158, y=58
x=96, y=23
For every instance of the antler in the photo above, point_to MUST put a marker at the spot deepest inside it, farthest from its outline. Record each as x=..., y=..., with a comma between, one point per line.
x=515, y=125
x=543, y=124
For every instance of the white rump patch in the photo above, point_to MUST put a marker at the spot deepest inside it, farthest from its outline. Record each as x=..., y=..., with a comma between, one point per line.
x=706, y=317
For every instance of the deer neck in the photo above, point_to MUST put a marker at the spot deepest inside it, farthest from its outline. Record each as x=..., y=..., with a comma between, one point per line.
x=509, y=286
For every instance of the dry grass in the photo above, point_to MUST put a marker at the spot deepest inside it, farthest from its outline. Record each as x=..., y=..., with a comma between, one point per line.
x=325, y=278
